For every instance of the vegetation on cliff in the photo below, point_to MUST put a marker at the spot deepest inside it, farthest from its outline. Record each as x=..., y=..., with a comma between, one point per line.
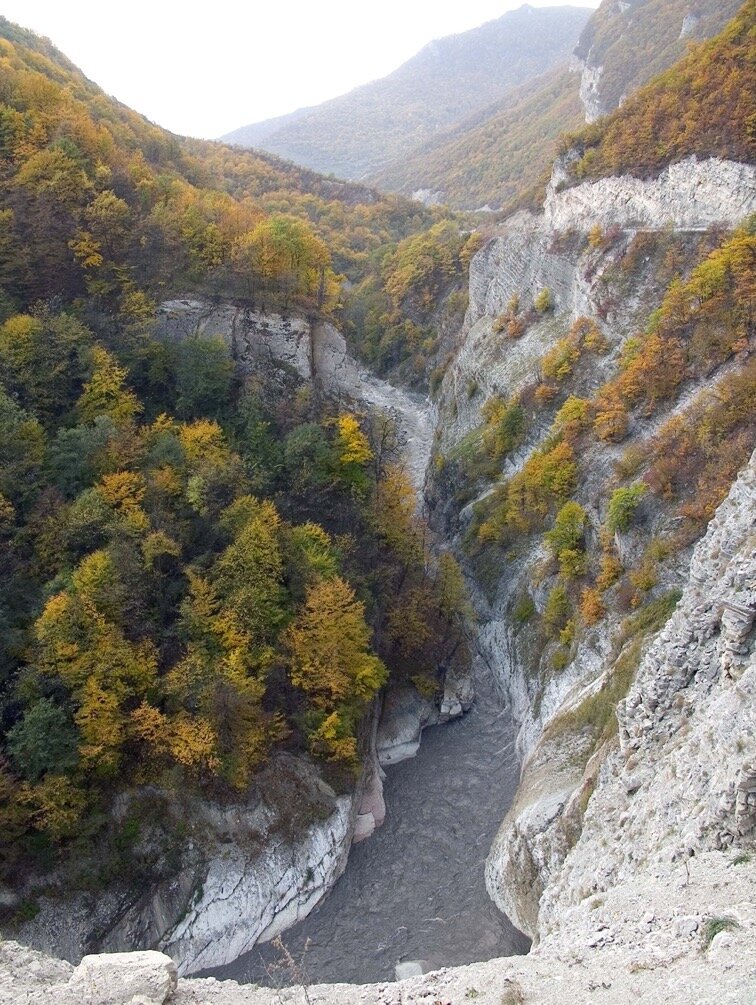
x=702, y=105
x=605, y=525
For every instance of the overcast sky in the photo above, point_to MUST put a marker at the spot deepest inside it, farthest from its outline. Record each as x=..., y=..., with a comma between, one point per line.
x=203, y=70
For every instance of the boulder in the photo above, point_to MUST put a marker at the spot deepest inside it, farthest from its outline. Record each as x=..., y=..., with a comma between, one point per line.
x=122, y=978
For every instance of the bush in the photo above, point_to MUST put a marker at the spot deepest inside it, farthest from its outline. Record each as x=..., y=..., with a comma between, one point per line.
x=592, y=608
x=557, y=609
x=622, y=506
x=610, y=570
x=524, y=609
x=544, y=302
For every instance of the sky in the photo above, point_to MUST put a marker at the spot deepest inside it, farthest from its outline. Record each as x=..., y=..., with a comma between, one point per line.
x=203, y=70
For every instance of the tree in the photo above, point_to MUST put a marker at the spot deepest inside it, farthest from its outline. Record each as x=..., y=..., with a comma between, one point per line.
x=43, y=361
x=204, y=370
x=44, y=740
x=622, y=506
x=104, y=393
x=565, y=539
x=544, y=301
x=249, y=573
x=328, y=644
x=353, y=452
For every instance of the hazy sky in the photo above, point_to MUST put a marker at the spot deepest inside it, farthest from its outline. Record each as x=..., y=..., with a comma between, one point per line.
x=203, y=70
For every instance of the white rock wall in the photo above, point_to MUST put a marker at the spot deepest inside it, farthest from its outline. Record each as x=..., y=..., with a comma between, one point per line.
x=247, y=899
x=689, y=195
x=684, y=779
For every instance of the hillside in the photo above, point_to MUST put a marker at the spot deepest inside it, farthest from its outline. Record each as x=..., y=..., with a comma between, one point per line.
x=450, y=79
x=181, y=514
x=702, y=106
x=492, y=160
x=625, y=44
x=495, y=159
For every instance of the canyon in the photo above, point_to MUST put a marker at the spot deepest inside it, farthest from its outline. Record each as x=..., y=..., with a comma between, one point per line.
x=588, y=861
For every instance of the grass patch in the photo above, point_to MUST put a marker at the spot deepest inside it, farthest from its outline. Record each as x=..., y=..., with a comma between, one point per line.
x=652, y=616
x=716, y=925
x=598, y=712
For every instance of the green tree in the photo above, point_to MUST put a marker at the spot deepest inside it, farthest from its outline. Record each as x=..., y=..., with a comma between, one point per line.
x=44, y=740
x=622, y=506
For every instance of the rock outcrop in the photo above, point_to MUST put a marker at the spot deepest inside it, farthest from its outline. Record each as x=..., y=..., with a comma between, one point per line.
x=316, y=352
x=267, y=861
x=687, y=195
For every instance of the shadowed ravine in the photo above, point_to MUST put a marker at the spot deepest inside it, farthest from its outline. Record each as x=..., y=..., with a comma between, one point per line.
x=415, y=889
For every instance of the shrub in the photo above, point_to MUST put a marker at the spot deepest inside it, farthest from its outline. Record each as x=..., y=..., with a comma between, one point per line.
x=610, y=570
x=524, y=609
x=544, y=302
x=557, y=609
x=645, y=577
x=544, y=393
x=592, y=609
x=622, y=506
x=716, y=925
x=559, y=361
x=572, y=417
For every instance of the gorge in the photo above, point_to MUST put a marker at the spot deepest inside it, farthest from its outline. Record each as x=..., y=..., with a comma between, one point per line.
x=378, y=597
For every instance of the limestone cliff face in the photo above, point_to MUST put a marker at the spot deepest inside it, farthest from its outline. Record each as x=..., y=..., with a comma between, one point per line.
x=548, y=251
x=627, y=42
x=530, y=254
x=268, y=860
x=688, y=195
x=683, y=778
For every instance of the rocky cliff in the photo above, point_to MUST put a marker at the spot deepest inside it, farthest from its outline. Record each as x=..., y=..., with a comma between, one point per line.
x=531, y=254
x=629, y=41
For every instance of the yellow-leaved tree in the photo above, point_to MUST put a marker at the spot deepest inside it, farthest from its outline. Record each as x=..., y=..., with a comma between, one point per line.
x=330, y=660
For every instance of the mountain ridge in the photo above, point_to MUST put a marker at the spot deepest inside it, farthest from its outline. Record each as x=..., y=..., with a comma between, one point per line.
x=450, y=78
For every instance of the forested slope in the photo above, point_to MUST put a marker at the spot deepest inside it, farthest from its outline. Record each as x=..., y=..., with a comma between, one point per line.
x=498, y=157
x=703, y=105
x=196, y=569
x=493, y=160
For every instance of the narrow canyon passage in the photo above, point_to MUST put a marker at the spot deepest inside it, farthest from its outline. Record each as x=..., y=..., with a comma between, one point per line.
x=415, y=889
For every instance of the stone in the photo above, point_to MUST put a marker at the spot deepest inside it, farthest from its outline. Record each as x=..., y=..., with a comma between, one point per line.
x=146, y=977
x=410, y=968
x=685, y=928
x=405, y=714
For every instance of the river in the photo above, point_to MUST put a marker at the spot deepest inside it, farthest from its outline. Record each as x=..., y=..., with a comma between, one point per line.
x=415, y=889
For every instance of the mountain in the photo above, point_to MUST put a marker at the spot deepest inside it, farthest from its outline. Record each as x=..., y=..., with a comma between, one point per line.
x=497, y=157
x=494, y=158
x=625, y=44
x=446, y=82
x=714, y=84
